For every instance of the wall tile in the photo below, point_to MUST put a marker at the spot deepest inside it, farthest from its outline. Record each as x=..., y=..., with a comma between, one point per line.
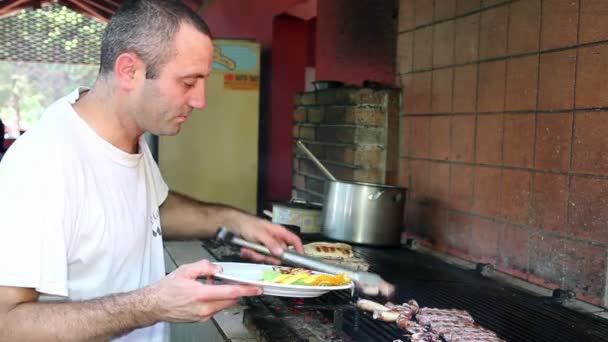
x=405, y=135
x=493, y=34
x=461, y=186
x=559, y=23
x=439, y=184
x=553, y=138
x=524, y=26
x=518, y=148
x=405, y=52
x=491, y=87
x=419, y=177
x=420, y=133
x=488, y=191
x=423, y=11
x=594, y=26
x=467, y=39
x=403, y=177
x=444, y=9
x=417, y=93
x=443, y=42
x=556, y=88
x=440, y=137
x=462, y=139
x=550, y=201
x=484, y=239
x=588, y=214
x=489, y=139
x=522, y=85
x=442, y=91
x=516, y=196
x=459, y=228
x=585, y=268
x=513, y=247
x=547, y=257
x=466, y=6
x=465, y=89
x=590, y=141
x=406, y=15
x=423, y=48
x=591, y=85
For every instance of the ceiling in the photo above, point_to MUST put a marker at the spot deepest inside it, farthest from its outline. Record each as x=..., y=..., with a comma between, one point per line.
x=101, y=10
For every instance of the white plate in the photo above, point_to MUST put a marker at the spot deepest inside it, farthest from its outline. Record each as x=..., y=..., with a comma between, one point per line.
x=244, y=273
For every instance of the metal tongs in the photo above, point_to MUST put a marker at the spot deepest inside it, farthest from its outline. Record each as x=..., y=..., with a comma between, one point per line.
x=370, y=283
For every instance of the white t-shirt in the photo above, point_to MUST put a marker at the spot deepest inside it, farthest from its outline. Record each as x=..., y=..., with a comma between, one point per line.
x=79, y=218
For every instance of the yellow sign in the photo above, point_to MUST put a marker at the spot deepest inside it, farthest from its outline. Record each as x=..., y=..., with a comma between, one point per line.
x=241, y=81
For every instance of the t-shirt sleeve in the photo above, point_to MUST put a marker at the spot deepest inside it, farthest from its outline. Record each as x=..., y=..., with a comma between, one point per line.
x=35, y=223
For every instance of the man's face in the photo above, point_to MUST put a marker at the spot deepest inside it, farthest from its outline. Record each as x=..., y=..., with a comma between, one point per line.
x=167, y=101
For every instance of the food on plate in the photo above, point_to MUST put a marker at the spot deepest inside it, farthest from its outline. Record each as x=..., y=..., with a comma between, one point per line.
x=300, y=276
x=337, y=253
x=430, y=324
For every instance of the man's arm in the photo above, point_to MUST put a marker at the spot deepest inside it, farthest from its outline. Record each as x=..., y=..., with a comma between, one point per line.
x=22, y=318
x=179, y=297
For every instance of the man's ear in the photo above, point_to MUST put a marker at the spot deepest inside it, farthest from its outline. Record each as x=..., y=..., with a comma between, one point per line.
x=128, y=68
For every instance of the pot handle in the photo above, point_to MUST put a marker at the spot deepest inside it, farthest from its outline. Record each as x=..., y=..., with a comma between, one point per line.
x=398, y=197
x=375, y=196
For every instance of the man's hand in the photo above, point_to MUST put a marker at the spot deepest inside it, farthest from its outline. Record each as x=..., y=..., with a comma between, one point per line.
x=273, y=236
x=180, y=297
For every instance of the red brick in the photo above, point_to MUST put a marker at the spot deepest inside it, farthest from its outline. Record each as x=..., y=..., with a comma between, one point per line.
x=588, y=214
x=522, y=76
x=547, y=257
x=440, y=137
x=406, y=15
x=488, y=191
x=459, y=231
x=466, y=6
x=516, y=196
x=441, y=101
x=423, y=11
x=591, y=85
x=405, y=136
x=461, y=186
x=443, y=44
x=524, y=26
x=493, y=34
x=419, y=173
x=488, y=3
x=559, y=24
x=489, y=139
x=405, y=53
x=462, y=138
x=585, y=268
x=594, y=26
x=550, y=201
x=513, y=247
x=444, y=9
x=518, y=149
x=404, y=173
x=465, y=89
x=439, y=182
x=417, y=93
x=423, y=48
x=467, y=39
x=556, y=87
x=590, y=142
x=492, y=87
x=484, y=240
x=438, y=229
x=553, y=137
x=420, y=136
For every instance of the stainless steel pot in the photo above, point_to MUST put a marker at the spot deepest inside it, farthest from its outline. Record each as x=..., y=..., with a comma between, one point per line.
x=363, y=213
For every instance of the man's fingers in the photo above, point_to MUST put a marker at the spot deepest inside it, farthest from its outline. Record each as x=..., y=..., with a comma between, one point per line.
x=228, y=292
x=291, y=239
x=202, y=268
x=210, y=309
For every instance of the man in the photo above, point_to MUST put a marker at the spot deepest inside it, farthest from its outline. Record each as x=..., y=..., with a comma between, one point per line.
x=1, y=139
x=81, y=249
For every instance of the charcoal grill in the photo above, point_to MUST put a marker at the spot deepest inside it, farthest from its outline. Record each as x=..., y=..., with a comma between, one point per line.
x=515, y=315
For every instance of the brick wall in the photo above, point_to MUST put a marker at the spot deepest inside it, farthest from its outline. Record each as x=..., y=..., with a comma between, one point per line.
x=503, y=132
x=352, y=131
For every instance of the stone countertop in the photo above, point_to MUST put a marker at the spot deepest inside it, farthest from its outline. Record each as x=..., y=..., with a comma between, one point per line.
x=229, y=322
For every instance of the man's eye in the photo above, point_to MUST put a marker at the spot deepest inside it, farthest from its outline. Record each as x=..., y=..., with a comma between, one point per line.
x=188, y=84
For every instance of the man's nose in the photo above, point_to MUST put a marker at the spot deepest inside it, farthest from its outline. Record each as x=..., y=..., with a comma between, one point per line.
x=197, y=98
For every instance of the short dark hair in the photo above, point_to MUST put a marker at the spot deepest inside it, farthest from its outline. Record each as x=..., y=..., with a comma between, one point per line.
x=147, y=28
